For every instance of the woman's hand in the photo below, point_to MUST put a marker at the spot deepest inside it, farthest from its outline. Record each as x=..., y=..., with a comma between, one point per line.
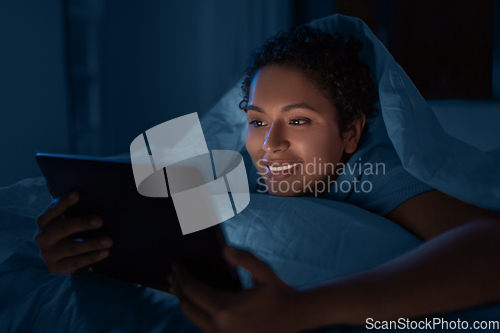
x=63, y=254
x=270, y=305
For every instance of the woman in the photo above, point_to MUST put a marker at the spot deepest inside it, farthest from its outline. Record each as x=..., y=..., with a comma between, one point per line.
x=310, y=99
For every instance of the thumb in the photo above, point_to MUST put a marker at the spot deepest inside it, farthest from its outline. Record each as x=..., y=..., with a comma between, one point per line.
x=260, y=271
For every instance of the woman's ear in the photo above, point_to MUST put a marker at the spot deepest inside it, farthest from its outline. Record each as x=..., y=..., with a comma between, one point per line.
x=353, y=135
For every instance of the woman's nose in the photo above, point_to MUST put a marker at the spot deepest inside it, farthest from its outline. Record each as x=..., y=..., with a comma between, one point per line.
x=275, y=140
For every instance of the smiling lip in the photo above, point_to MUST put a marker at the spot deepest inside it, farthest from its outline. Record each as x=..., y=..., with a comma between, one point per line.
x=280, y=169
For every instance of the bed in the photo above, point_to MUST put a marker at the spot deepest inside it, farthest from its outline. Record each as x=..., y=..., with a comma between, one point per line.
x=307, y=241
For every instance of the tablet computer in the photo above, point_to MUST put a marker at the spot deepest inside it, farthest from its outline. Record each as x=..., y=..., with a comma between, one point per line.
x=147, y=236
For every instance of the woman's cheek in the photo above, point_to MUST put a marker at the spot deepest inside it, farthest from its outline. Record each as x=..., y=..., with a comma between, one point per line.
x=254, y=148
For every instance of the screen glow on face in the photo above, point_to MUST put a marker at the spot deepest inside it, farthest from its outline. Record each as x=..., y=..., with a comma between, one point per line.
x=293, y=134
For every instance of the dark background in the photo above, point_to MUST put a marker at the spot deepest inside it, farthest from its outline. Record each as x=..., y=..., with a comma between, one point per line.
x=88, y=76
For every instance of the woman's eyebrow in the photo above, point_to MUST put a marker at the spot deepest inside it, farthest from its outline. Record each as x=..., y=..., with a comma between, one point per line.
x=255, y=108
x=298, y=106
x=285, y=108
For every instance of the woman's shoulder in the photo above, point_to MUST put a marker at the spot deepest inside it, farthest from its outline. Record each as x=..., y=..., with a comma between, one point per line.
x=375, y=179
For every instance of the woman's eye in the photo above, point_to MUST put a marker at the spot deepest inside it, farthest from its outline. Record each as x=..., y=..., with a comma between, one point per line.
x=299, y=121
x=260, y=123
x=257, y=123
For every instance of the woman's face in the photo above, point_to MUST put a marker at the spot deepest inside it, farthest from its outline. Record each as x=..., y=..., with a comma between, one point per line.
x=293, y=135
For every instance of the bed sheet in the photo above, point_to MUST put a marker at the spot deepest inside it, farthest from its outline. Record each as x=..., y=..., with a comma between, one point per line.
x=336, y=239
x=36, y=300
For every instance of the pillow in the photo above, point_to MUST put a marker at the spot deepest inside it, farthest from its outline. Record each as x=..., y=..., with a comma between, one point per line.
x=308, y=240
x=225, y=125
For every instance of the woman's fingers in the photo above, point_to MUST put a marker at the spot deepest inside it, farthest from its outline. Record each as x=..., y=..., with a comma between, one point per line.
x=70, y=256
x=69, y=248
x=198, y=316
x=71, y=226
x=63, y=254
x=56, y=209
x=71, y=264
x=260, y=271
x=63, y=228
x=196, y=291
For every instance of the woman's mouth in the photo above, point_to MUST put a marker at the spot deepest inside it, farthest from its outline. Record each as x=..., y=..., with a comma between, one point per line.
x=281, y=170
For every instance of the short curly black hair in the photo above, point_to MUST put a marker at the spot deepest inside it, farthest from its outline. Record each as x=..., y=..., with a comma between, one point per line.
x=331, y=60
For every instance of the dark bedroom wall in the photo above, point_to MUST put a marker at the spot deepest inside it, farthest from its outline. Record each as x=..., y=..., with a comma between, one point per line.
x=150, y=62
x=135, y=64
x=33, y=101
x=457, y=33
x=164, y=59
x=446, y=47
